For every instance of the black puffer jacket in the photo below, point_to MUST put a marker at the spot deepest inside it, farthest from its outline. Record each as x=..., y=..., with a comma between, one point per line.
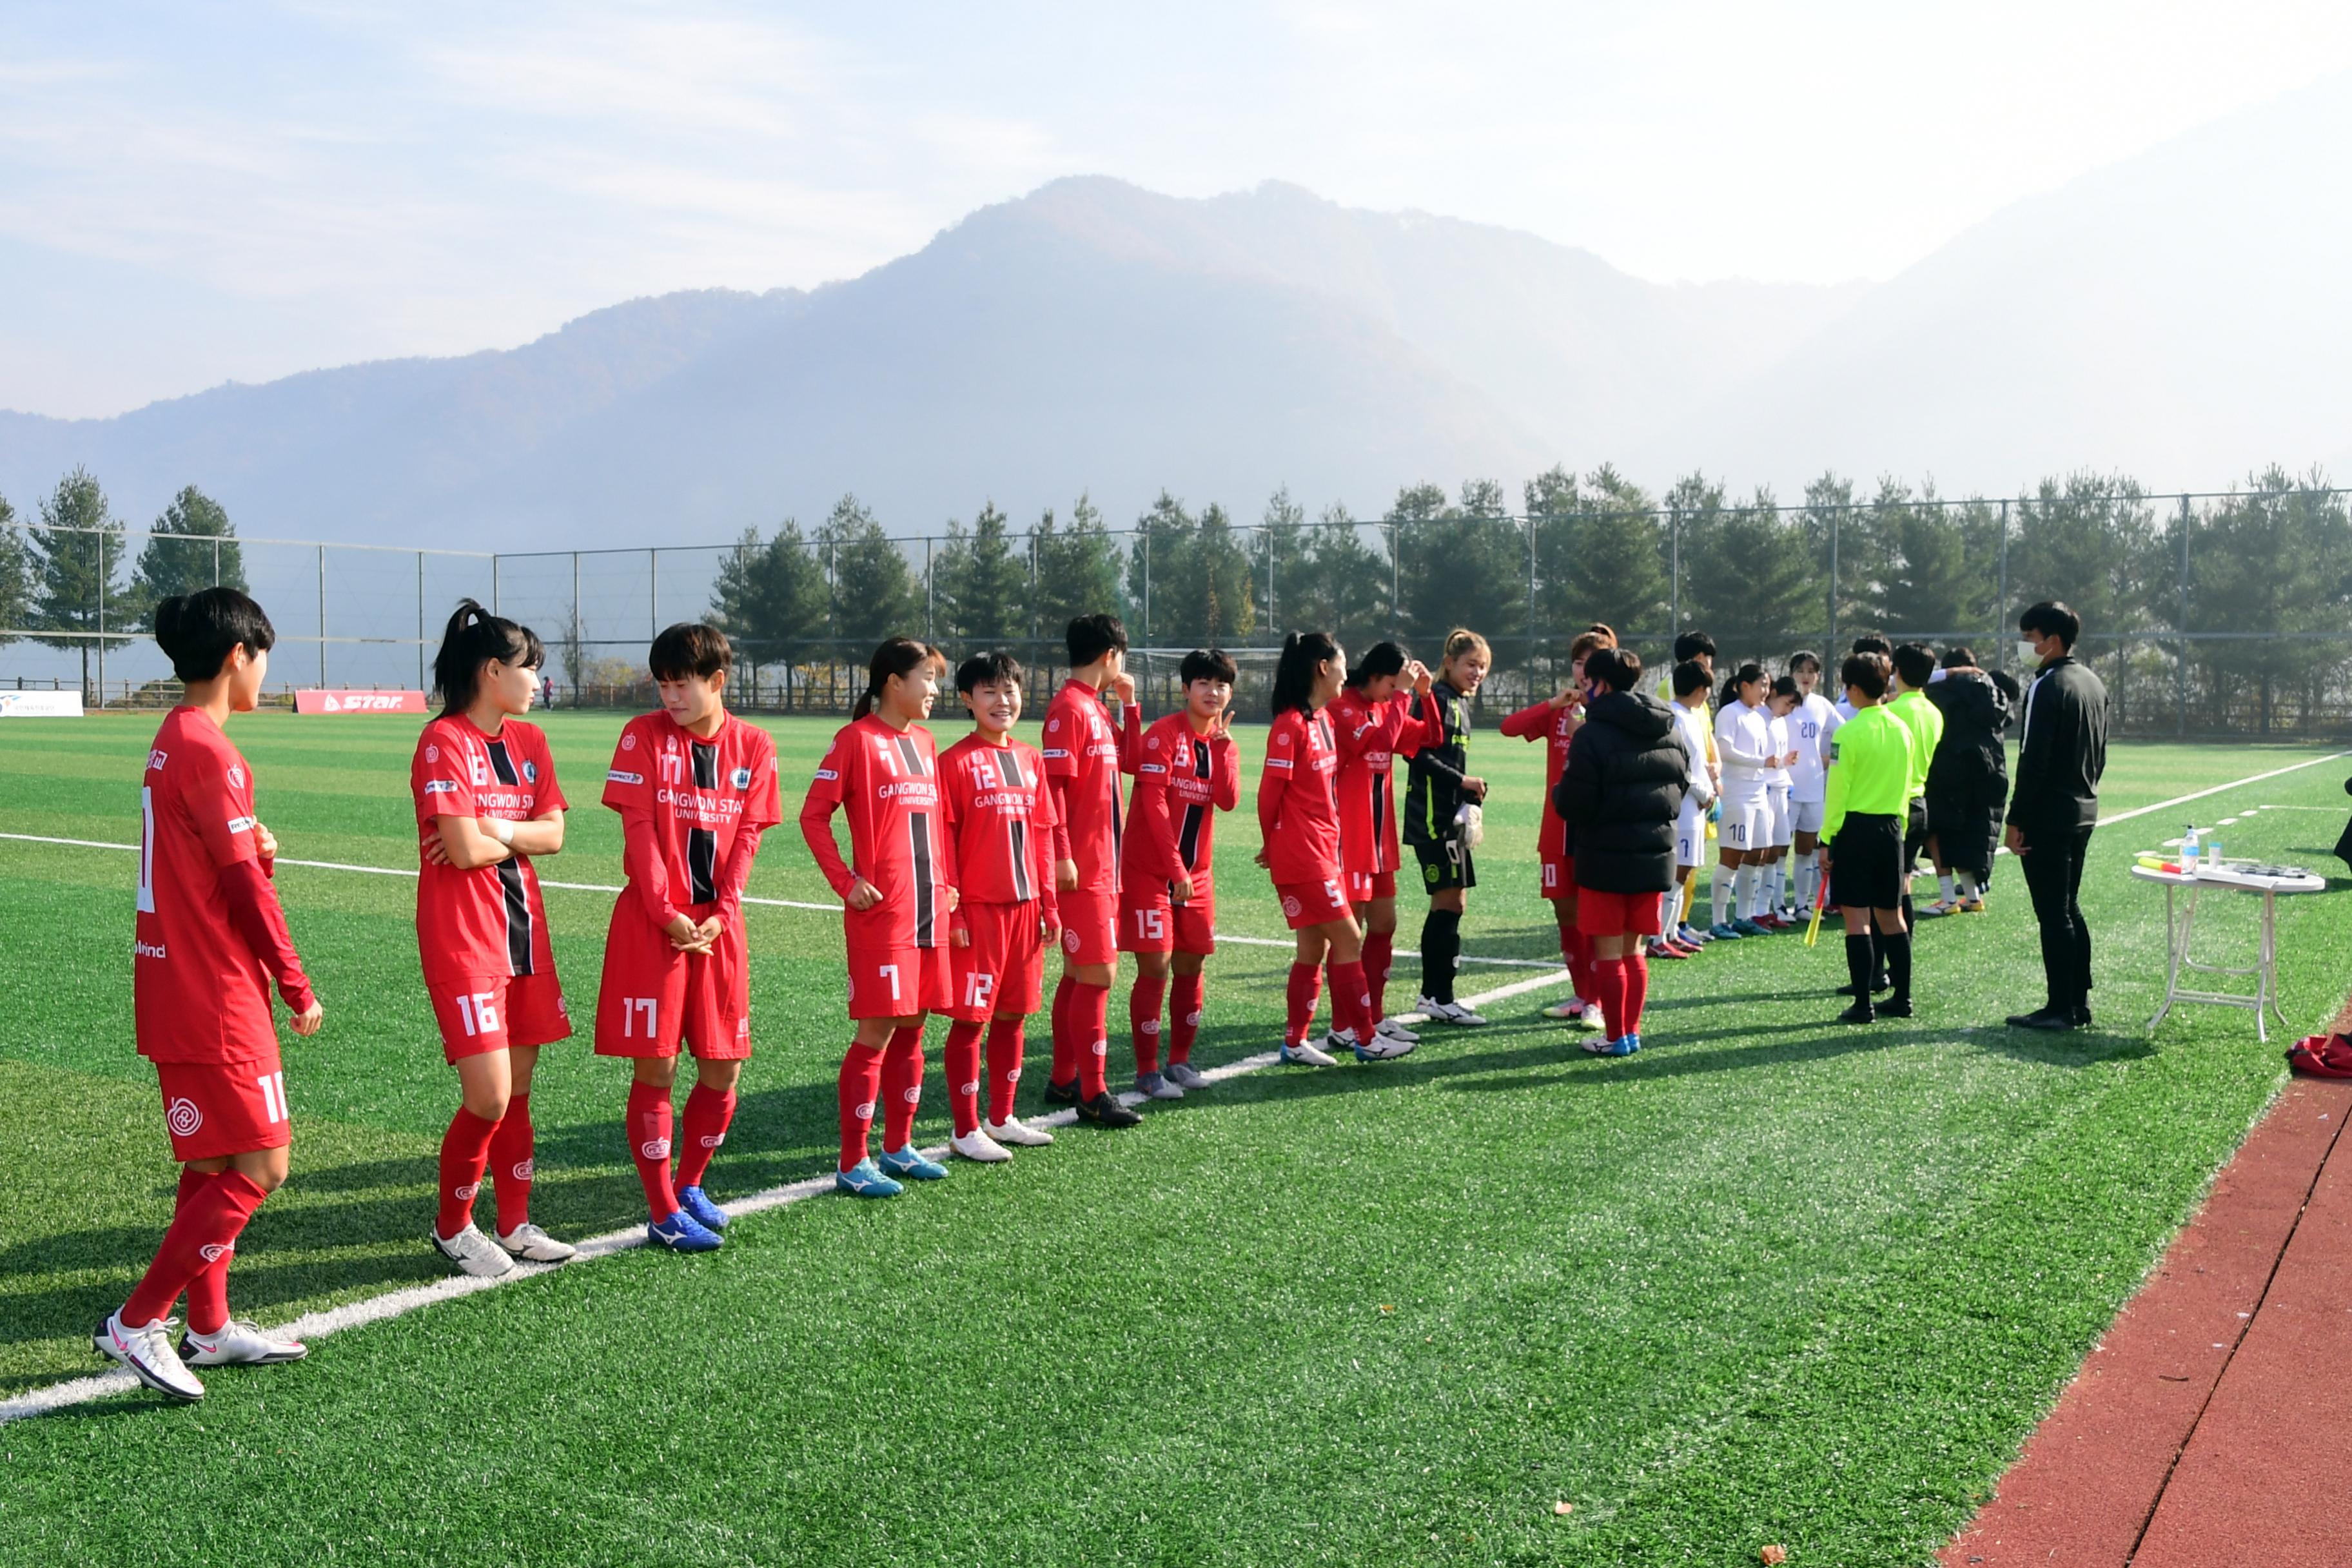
x=1976, y=717
x=1622, y=788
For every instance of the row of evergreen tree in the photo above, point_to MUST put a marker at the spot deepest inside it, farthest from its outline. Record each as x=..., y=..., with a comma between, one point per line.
x=72, y=579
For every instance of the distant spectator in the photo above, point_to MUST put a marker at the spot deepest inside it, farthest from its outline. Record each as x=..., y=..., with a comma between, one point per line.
x=2062, y=751
x=1968, y=783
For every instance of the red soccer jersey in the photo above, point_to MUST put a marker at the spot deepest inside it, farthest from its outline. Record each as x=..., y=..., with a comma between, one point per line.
x=489, y=921
x=1181, y=781
x=200, y=981
x=1001, y=815
x=1296, y=809
x=1556, y=726
x=1371, y=736
x=887, y=782
x=1082, y=749
x=697, y=797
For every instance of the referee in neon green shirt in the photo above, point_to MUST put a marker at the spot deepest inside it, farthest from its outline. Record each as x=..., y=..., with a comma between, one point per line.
x=1873, y=762
x=1915, y=666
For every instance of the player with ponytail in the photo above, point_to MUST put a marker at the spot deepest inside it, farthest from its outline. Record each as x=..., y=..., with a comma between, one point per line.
x=898, y=891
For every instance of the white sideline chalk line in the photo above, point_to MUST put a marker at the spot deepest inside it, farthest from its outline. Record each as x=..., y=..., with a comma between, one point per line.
x=319, y=1325
x=771, y=903
x=2217, y=789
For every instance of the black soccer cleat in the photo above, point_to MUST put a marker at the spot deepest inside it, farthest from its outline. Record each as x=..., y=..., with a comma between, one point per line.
x=2053, y=1020
x=1895, y=1007
x=1860, y=1013
x=1061, y=1093
x=1105, y=1110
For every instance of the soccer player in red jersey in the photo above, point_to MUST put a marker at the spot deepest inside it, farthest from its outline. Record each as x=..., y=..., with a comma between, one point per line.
x=1185, y=774
x=487, y=805
x=209, y=938
x=1001, y=816
x=1298, y=818
x=1084, y=757
x=1372, y=729
x=695, y=787
x=1554, y=720
x=898, y=891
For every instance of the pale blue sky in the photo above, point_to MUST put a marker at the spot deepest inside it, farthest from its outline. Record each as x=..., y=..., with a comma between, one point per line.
x=197, y=192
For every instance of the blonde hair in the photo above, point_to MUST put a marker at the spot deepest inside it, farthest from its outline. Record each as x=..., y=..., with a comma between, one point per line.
x=1597, y=635
x=1462, y=640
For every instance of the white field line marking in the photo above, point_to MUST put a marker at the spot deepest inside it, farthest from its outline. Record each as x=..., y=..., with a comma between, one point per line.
x=771, y=903
x=399, y=1304
x=2217, y=789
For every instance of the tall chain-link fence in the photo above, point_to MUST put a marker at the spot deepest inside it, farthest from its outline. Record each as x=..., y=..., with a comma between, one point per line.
x=2219, y=615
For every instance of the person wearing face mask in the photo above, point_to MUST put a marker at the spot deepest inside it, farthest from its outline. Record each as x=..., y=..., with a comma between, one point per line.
x=2062, y=751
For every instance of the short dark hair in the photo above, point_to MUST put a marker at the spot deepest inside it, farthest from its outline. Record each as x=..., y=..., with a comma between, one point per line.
x=1801, y=657
x=1871, y=642
x=1207, y=664
x=472, y=638
x=1960, y=657
x=1689, y=676
x=1866, y=673
x=1294, y=673
x=1380, y=658
x=1784, y=686
x=991, y=668
x=1618, y=668
x=690, y=648
x=2051, y=619
x=1692, y=644
x=1089, y=638
x=1915, y=663
x=196, y=631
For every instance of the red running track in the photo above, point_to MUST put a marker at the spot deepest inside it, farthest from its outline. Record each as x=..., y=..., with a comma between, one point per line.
x=2207, y=1429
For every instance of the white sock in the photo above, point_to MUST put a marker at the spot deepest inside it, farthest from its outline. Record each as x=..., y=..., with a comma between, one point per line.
x=1718, y=890
x=1808, y=884
x=1943, y=886
x=1779, y=875
x=1743, y=892
x=1670, y=909
x=1967, y=883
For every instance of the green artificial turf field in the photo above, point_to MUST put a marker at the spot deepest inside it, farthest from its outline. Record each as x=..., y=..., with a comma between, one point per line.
x=1773, y=1280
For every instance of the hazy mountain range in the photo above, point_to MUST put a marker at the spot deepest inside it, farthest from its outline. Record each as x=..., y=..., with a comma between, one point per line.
x=2179, y=316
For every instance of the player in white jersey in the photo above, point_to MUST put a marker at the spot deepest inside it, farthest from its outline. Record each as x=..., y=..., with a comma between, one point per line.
x=1743, y=744
x=1772, y=877
x=1811, y=723
x=1691, y=682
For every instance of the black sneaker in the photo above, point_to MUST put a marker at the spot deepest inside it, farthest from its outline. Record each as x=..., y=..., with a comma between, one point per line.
x=1895, y=1007
x=1881, y=983
x=2053, y=1019
x=1061, y=1093
x=1860, y=1013
x=2082, y=1015
x=1105, y=1110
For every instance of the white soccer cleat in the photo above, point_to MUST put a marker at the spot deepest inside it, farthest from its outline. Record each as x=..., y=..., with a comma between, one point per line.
x=1184, y=1076
x=1012, y=1130
x=527, y=1243
x=1306, y=1053
x=240, y=1343
x=1390, y=1029
x=979, y=1146
x=1453, y=1013
x=1572, y=1008
x=146, y=1349
x=473, y=1252
x=1380, y=1049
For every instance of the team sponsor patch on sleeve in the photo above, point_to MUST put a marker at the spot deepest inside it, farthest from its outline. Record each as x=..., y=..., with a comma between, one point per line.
x=241, y=825
x=617, y=776
x=742, y=778
x=440, y=787
x=830, y=775
x=1055, y=752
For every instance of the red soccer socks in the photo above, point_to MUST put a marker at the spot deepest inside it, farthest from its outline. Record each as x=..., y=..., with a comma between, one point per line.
x=1637, y=989
x=1379, y=952
x=1143, y=1008
x=511, y=1163
x=709, y=1114
x=1184, y=998
x=962, y=1056
x=204, y=1235
x=1299, y=996
x=1351, y=1000
x=860, y=1086
x=208, y=1291
x=1089, y=1020
x=465, y=1150
x=1005, y=1041
x=648, y=1127
x=902, y=1087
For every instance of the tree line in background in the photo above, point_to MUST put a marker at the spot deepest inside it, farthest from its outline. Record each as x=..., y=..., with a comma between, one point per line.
x=2264, y=577
x=72, y=584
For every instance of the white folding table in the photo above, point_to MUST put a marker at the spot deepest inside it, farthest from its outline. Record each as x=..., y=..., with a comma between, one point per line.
x=2181, y=920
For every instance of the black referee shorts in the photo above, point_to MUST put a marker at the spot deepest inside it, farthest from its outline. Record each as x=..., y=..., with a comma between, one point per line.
x=1866, y=863
x=1445, y=865
x=1915, y=835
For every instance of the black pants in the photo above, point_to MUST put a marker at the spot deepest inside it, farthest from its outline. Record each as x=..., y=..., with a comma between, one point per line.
x=2053, y=863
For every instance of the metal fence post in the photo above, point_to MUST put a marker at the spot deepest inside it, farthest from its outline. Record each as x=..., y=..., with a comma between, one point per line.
x=322, y=614
x=1674, y=572
x=928, y=597
x=103, y=572
x=1831, y=655
x=498, y=564
x=2000, y=640
x=420, y=623
x=2180, y=625
x=216, y=561
x=578, y=637
x=1147, y=585
x=1396, y=592
x=652, y=594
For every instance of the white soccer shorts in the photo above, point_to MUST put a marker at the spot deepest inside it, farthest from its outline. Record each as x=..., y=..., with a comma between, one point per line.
x=1744, y=822
x=1690, y=833
x=1778, y=829
x=1807, y=814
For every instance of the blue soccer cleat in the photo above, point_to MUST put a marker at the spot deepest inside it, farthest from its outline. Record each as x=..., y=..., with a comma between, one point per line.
x=1623, y=1046
x=681, y=1232
x=866, y=1180
x=699, y=1206
x=1636, y=1039
x=909, y=1165
x=1746, y=927
x=1724, y=930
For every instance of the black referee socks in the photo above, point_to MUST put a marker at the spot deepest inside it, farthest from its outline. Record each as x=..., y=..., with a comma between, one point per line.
x=1441, y=946
x=1861, y=963
x=1896, y=945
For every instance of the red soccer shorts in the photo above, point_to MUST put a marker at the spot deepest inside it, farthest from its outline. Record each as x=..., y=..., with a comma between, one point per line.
x=1616, y=914
x=1363, y=887
x=493, y=1012
x=214, y=1109
x=1162, y=925
x=900, y=982
x=1558, y=875
x=1003, y=969
x=1307, y=904
x=653, y=996
x=1089, y=927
